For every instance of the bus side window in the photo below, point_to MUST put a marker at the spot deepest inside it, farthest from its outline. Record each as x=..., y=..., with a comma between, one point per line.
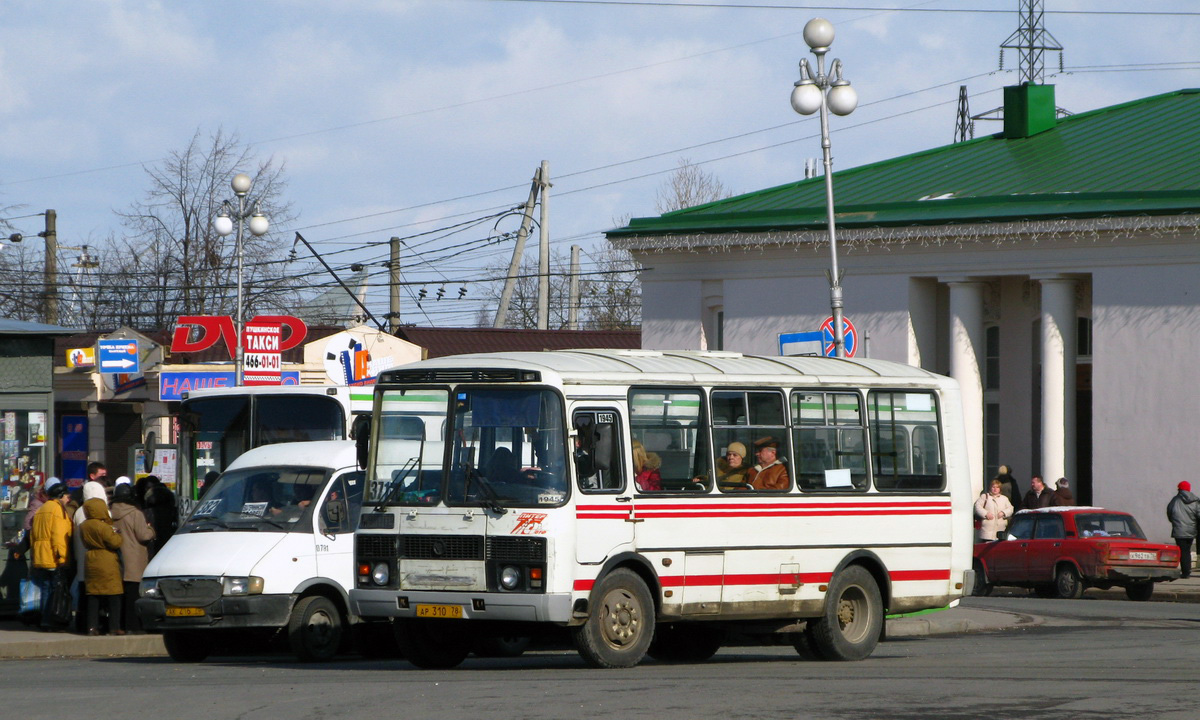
x=597, y=450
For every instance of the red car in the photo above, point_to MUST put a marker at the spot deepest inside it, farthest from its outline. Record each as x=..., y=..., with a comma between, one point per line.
x=1061, y=551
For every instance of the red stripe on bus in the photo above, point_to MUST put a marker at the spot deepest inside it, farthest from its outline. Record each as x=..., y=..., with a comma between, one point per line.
x=792, y=513
x=678, y=581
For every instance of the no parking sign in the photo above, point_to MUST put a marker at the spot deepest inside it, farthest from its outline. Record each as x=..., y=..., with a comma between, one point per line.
x=850, y=335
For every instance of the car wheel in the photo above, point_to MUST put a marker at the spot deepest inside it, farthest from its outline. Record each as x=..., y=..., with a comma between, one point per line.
x=685, y=643
x=315, y=629
x=620, y=622
x=1140, y=592
x=982, y=588
x=188, y=646
x=849, y=628
x=433, y=644
x=1067, y=584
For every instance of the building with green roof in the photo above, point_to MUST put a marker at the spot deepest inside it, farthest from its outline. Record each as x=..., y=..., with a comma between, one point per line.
x=1052, y=268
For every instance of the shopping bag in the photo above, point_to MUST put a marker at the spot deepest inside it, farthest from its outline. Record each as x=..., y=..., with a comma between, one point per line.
x=31, y=596
x=58, y=608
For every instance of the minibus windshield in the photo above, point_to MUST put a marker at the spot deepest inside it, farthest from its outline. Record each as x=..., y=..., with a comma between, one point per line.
x=264, y=499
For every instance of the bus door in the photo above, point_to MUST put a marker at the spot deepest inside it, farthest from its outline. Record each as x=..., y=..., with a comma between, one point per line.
x=603, y=506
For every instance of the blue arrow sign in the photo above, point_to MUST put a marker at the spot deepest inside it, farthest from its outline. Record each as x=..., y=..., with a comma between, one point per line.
x=117, y=356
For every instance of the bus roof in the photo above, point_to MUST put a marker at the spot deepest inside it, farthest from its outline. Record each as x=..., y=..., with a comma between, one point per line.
x=600, y=367
x=353, y=393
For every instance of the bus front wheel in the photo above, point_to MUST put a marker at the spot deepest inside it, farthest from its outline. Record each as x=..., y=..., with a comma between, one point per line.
x=620, y=622
x=849, y=628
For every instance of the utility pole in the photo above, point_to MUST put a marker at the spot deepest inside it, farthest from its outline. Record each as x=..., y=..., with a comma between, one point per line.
x=964, y=127
x=50, y=269
x=543, y=322
x=394, y=287
x=514, y=267
x=573, y=301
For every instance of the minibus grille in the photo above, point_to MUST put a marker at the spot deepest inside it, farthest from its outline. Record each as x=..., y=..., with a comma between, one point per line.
x=190, y=592
x=457, y=375
x=375, y=546
x=516, y=549
x=441, y=547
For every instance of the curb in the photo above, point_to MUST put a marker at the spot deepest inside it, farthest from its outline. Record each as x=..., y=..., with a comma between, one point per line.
x=72, y=646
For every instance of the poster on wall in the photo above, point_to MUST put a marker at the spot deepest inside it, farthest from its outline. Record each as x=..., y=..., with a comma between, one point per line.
x=37, y=428
x=73, y=434
x=164, y=466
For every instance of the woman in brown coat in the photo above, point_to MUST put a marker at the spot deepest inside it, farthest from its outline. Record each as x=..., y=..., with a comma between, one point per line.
x=136, y=534
x=102, y=567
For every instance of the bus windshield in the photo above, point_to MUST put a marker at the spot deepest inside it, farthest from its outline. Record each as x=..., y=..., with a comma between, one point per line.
x=507, y=448
x=216, y=430
x=276, y=499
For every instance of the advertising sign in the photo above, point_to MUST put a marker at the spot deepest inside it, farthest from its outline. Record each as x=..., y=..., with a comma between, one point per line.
x=214, y=328
x=118, y=355
x=84, y=357
x=172, y=385
x=261, y=359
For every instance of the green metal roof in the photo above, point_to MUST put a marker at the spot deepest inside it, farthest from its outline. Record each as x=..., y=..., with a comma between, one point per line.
x=1140, y=157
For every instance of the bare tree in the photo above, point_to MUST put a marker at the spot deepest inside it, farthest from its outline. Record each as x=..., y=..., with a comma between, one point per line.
x=689, y=186
x=176, y=263
x=612, y=296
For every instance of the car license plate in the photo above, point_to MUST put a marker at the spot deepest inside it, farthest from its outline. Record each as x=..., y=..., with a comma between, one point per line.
x=440, y=611
x=176, y=611
x=1142, y=555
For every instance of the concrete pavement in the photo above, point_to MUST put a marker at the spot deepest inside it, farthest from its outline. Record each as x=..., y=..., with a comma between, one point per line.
x=18, y=641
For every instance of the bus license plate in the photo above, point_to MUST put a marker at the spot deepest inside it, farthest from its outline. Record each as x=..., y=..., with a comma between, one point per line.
x=1142, y=555
x=440, y=611
x=176, y=611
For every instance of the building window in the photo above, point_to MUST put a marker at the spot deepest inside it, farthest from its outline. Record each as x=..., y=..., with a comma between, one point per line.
x=991, y=369
x=1083, y=337
x=991, y=439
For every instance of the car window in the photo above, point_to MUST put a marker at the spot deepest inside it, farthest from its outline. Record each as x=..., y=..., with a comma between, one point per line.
x=1108, y=525
x=1049, y=527
x=1022, y=527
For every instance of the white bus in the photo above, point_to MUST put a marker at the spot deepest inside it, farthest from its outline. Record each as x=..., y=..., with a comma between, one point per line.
x=217, y=425
x=516, y=503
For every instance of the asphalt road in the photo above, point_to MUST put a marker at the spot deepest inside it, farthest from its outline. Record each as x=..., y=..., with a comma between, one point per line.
x=1087, y=659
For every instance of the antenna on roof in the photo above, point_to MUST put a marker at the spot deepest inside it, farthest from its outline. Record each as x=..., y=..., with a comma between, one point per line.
x=1031, y=40
x=964, y=127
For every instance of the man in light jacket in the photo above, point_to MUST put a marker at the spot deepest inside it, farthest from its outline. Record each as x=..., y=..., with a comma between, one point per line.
x=1184, y=513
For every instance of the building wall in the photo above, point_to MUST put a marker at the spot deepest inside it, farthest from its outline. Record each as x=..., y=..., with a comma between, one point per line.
x=1142, y=293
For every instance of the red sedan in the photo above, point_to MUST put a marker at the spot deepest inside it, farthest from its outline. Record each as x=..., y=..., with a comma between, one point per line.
x=1061, y=551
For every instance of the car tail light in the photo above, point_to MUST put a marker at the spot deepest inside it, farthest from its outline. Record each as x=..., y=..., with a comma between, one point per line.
x=1170, y=555
x=1118, y=554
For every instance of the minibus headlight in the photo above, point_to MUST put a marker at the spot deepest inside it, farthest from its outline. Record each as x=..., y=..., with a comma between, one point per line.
x=380, y=574
x=149, y=589
x=510, y=577
x=242, y=585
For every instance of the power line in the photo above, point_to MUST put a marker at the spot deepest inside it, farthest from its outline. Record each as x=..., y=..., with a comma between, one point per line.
x=870, y=8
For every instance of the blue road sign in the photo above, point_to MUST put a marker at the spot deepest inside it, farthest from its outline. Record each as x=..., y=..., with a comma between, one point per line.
x=801, y=343
x=117, y=356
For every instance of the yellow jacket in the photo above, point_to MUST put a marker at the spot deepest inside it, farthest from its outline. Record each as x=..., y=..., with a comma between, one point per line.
x=49, y=538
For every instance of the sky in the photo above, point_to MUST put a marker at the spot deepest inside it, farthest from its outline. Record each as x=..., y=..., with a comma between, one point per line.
x=403, y=118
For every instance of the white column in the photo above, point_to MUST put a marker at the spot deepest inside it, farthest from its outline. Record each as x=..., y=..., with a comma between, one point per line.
x=1058, y=379
x=966, y=356
x=922, y=323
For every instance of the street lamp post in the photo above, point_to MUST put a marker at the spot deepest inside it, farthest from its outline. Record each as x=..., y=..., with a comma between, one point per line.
x=225, y=225
x=820, y=91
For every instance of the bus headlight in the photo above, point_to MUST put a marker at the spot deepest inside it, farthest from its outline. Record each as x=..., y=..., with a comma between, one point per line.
x=380, y=574
x=149, y=589
x=510, y=578
x=242, y=585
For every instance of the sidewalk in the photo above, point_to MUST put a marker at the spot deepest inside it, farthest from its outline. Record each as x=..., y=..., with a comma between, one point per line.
x=18, y=641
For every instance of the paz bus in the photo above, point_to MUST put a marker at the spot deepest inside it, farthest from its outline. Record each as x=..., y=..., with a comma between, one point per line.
x=503, y=497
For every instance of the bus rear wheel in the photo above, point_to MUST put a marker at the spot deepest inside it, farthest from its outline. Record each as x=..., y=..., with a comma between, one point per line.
x=433, y=644
x=853, y=618
x=685, y=642
x=620, y=622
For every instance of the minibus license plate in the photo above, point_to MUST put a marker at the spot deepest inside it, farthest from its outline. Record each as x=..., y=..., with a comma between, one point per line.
x=439, y=611
x=176, y=611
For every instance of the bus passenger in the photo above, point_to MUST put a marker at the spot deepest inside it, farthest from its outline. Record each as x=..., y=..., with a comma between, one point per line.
x=732, y=469
x=770, y=473
x=645, y=469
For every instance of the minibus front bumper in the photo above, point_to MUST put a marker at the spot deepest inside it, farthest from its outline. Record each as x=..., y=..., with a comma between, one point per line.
x=519, y=607
x=248, y=611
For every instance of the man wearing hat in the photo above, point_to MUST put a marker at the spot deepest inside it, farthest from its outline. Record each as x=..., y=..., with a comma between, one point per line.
x=770, y=473
x=1184, y=513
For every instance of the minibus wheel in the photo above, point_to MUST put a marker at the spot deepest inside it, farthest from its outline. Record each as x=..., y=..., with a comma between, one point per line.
x=315, y=629
x=620, y=622
x=189, y=646
x=849, y=627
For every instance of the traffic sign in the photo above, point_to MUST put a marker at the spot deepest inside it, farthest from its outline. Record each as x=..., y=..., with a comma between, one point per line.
x=801, y=343
x=118, y=355
x=850, y=335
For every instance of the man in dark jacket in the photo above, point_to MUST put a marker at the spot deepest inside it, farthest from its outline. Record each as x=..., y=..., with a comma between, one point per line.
x=1038, y=496
x=1062, y=493
x=1184, y=513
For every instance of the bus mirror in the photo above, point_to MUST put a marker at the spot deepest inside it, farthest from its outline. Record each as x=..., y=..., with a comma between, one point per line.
x=361, y=432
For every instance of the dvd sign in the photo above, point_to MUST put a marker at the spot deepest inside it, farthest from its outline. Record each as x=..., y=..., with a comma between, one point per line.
x=261, y=358
x=217, y=328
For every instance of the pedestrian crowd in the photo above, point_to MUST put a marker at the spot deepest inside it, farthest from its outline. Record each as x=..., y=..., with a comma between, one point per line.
x=90, y=545
x=1002, y=498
